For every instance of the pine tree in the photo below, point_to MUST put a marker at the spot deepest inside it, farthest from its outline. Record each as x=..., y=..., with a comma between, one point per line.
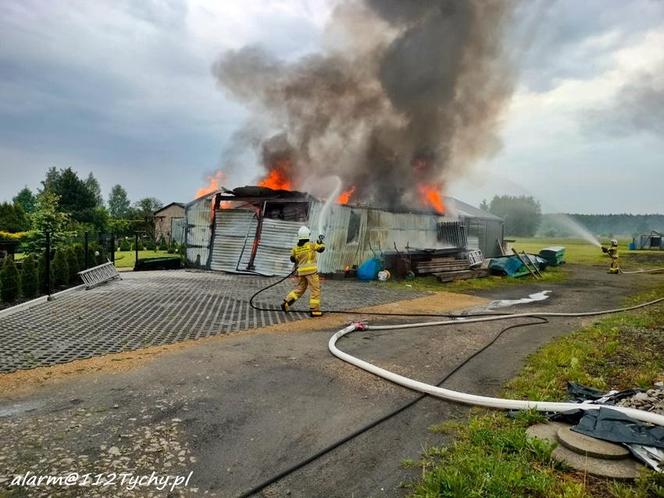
x=43, y=283
x=72, y=264
x=9, y=285
x=80, y=256
x=60, y=268
x=29, y=278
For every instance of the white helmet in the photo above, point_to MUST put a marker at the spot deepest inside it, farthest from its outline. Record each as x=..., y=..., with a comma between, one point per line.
x=304, y=233
x=614, y=242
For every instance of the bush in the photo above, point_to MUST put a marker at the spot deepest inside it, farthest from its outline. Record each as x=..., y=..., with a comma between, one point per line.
x=29, y=278
x=8, y=281
x=80, y=256
x=43, y=287
x=150, y=245
x=162, y=244
x=72, y=264
x=60, y=268
x=125, y=245
x=100, y=256
x=138, y=246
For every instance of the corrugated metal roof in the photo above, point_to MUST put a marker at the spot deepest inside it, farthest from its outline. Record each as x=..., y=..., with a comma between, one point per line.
x=467, y=211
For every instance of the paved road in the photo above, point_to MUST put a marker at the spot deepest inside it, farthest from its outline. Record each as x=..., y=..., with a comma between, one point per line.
x=238, y=410
x=156, y=308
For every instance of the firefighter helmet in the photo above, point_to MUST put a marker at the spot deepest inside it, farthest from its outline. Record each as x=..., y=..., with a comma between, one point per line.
x=304, y=233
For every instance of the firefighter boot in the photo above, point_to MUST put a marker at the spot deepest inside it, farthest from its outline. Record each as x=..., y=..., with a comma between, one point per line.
x=285, y=306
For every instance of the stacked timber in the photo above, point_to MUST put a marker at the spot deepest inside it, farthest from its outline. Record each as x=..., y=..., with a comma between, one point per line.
x=439, y=265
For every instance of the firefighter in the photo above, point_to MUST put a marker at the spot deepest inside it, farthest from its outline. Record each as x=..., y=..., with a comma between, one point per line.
x=304, y=255
x=612, y=251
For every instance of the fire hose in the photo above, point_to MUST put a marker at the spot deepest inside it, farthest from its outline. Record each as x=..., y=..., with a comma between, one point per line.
x=653, y=270
x=436, y=390
x=460, y=397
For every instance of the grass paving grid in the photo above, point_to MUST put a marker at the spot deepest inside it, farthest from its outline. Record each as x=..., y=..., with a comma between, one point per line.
x=158, y=308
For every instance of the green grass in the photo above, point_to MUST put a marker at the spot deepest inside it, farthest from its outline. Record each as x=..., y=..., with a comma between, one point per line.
x=126, y=259
x=431, y=284
x=490, y=454
x=123, y=259
x=581, y=252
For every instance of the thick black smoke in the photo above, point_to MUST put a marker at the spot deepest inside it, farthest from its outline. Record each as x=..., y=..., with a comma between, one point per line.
x=408, y=92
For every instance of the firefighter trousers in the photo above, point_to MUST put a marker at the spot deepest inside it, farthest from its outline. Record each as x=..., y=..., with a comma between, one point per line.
x=313, y=283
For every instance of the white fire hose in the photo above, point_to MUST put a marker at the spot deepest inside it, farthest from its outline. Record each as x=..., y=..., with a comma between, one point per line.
x=472, y=399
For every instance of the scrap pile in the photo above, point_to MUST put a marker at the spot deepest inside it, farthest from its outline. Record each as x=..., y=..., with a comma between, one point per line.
x=446, y=265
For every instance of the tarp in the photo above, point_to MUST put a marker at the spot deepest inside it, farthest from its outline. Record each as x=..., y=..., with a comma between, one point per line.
x=612, y=425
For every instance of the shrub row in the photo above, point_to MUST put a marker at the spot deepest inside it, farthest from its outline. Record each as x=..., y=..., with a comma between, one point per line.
x=31, y=280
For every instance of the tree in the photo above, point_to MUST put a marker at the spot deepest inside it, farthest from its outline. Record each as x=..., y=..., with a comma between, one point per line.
x=52, y=175
x=13, y=218
x=9, y=285
x=93, y=186
x=100, y=219
x=80, y=256
x=145, y=209
x=147, y=206
x=118, y=202
x=29, y=278
x=484, y=206
x=522, y=214
x=76, y=199
x=43, y=283
x=72, y=264
x=26, y=199
x=60, y=268
x=48, y=218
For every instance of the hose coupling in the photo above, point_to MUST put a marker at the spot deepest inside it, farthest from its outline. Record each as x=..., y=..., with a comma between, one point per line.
x=359, y=325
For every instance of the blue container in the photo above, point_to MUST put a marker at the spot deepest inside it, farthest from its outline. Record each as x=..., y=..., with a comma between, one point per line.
x=369, y=269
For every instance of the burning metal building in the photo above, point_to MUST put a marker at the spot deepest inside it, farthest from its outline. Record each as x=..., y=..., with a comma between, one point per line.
x=252, y=229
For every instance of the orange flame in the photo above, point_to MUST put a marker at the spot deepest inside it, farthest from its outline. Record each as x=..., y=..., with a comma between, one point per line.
x=214, y=184
x=430, y=194
x=278, y=176
x=344, y=198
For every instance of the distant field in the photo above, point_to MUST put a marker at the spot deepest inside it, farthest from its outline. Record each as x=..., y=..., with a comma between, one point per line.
x=581, y=252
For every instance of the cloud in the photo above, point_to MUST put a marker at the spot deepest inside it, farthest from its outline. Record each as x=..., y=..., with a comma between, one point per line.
x=116, y=83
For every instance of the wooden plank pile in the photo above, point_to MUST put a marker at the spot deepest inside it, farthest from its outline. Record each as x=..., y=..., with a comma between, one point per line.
x=448, y=269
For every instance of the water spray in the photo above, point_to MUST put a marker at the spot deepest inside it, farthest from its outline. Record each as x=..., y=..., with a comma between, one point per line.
x=322, y=218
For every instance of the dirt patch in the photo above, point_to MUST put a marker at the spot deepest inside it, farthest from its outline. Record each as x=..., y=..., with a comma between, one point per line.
x=24, y=381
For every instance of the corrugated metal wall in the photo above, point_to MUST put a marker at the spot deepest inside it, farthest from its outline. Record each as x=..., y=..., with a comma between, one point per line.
x=234, y=234
x=378, y=230
x=340, y=251
x=198, y=231
x=277, y=239
x=178, y=230
x=351, y=234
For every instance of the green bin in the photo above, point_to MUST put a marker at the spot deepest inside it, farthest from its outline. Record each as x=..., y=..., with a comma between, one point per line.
x=555, y=256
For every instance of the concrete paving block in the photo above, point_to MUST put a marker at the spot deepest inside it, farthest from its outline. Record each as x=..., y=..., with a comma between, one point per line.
x=547, y=432
x=624, y=469
x=586, y=445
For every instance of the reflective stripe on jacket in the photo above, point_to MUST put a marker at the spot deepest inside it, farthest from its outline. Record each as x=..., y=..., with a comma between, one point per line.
x=305, y=256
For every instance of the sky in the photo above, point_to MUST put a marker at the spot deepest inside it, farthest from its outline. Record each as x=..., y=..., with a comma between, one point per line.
x=124, y=89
